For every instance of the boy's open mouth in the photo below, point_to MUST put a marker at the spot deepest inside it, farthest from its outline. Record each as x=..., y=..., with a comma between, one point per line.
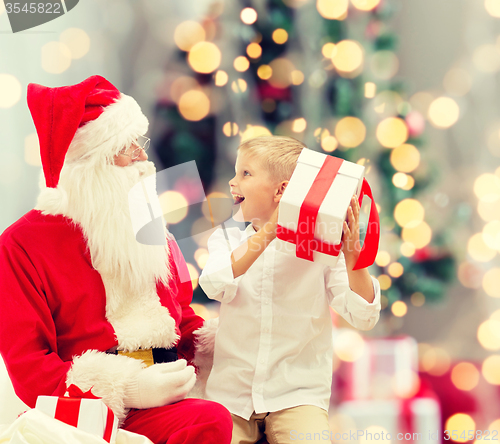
x=238, y=198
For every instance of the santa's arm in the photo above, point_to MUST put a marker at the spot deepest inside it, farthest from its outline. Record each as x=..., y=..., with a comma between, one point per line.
x=29, y=346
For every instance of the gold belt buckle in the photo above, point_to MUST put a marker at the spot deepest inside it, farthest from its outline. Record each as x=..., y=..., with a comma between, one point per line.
x=144, y=355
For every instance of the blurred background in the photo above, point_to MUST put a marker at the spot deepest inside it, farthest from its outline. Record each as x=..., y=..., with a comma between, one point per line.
x=407, y=88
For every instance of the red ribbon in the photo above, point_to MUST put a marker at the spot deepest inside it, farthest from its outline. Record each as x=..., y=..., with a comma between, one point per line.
x=68, y=409
x=304, y=238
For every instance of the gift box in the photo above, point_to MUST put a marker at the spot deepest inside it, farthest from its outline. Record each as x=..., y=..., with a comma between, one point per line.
x=406, y=420
x=387, y=368
x=314, y=207
x=90, y=415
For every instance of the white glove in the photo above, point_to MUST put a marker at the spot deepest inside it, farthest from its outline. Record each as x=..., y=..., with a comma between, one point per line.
x=159, y=385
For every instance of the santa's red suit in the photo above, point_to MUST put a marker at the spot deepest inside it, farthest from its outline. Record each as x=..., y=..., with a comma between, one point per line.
x=64, y=309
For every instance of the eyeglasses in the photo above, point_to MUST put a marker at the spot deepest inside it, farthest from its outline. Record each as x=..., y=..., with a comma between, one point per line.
x=142, y=143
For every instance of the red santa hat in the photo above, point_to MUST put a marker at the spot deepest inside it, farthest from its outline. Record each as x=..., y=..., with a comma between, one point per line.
x=90, y=120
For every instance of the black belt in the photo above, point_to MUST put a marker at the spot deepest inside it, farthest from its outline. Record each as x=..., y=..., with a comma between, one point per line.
x=151, y=355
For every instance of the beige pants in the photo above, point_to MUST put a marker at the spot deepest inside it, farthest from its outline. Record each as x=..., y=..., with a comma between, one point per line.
x=304, y=423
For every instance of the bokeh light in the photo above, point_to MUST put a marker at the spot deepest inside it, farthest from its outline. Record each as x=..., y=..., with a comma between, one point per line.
x=254, y=131
x=488, y=207
x=297, y=77
x=486, y=58
x=383, y=258
x=187, y=34
x=77, y=41
x=349, y=345
x=281, y=76
x=56, y=57
x=478, y=250
x=370, y=90
x=407, y=249
x=395, y=269
x=350, y=132
x=392, y=132
x=487, y=184
x=239, y=86
x=384, y=281
x=365, y=5
x=493, y=7
x=204, y=57
x=221, y=78
x=488, y=334
x=333, y=9
x=201, y=257
x=491, y=234
x=436, y=361
x=299, y=125
x=329, y=144
x=460, y=424
x=328, y=50
x=230, y=129
x=182, y=85
x=241, y=64
x=174, y=206
x=419, y=236
x=280, y=36
x=417, y=299
x=194, y=105
x=264, y=72
x=465, y=376
x=254, y=50
x=348, y=56
x=491, y=282
x=443, y=112
x=491, y=369
x=399, y=309
x=248, y=16
x=10, y=90
x=405, y=158
x=469, y=275
x=409, y=213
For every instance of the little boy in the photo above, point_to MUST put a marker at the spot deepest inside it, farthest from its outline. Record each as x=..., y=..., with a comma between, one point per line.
x=273, y=349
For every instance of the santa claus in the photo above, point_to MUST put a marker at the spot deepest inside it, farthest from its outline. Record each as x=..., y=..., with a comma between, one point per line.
x=81, y=301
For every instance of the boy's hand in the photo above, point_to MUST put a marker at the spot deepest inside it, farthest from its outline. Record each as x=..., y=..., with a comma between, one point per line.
x=350, y=238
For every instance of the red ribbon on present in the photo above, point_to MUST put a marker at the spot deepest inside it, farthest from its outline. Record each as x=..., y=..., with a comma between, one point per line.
x=68, y=409
x=304, y=239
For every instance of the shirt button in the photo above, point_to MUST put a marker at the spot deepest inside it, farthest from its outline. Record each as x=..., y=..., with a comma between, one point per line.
x=266, y=302
x=262, y=361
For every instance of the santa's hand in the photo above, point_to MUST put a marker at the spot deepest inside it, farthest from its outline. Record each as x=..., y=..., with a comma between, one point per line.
x=160, y=384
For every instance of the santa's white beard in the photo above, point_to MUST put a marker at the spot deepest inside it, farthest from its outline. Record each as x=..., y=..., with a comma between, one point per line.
x=98, y=202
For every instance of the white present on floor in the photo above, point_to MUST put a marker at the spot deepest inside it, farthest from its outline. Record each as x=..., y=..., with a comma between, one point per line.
x=415, y=420
x=314, y=207
x=387, y=368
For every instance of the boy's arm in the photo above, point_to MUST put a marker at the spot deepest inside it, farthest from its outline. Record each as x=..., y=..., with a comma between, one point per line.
x=347, y=302
x=247, y=253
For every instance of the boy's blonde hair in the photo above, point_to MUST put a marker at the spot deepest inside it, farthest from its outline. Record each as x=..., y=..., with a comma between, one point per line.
x=278, y=154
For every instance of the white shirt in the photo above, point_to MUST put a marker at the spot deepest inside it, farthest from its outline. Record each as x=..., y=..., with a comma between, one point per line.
x=273, y=348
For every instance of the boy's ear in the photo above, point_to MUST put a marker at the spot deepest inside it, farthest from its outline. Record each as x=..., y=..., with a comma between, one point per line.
x=280, y=190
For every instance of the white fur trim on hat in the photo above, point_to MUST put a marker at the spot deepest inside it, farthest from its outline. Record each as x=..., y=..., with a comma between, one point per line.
x=116, y=128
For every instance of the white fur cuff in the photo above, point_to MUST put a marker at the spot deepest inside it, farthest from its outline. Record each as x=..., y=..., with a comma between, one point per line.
x=107, y=375
x=204, y=355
